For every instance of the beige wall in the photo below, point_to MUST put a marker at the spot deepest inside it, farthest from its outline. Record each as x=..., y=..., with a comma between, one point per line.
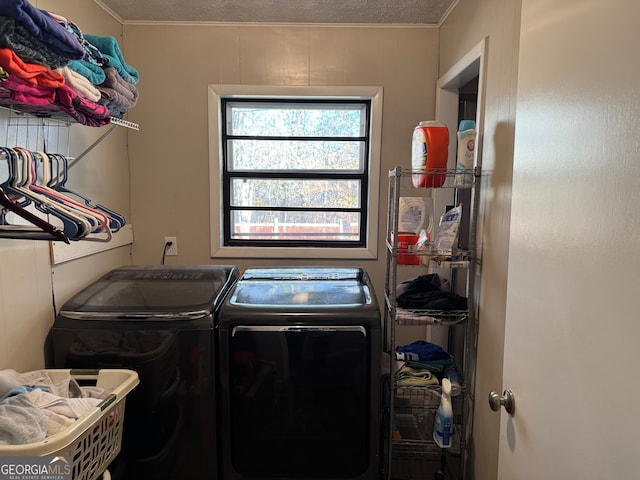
x=499, y=22
x=30, y=288
x=169, y=156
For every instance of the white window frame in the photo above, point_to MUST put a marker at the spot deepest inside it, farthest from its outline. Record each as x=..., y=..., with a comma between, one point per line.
x=216, y=93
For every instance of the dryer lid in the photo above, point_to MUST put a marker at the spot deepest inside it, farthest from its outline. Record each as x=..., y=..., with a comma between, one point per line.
x=153, y=293
x=314, y=287
x=304, y=273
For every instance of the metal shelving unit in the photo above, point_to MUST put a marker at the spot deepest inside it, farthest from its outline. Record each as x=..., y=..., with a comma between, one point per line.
x=411, y=452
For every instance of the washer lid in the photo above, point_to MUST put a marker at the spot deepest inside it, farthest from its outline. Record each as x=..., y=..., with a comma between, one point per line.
x=314, y=287
x=155, y=292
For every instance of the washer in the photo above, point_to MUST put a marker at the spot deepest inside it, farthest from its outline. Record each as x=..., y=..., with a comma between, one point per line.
x=299, y=357
x=158, y=321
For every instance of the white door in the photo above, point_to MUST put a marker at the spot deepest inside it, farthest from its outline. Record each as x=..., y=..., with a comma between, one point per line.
x=572, y=340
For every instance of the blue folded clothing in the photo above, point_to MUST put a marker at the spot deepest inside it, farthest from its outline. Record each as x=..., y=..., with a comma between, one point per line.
x=110, y=50
x=43, y=27
x=421, y=350
x=94, y=73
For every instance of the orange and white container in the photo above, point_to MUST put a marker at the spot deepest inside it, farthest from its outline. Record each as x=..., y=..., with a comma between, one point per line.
x=429, y=154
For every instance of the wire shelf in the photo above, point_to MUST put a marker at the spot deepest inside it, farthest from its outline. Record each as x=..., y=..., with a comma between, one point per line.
x=50, y=110
x=430, y=317
x=451, y=178
x=422, y=444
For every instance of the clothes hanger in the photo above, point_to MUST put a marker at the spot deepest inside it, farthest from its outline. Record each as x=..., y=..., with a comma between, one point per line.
x=117, y=220
x=98, y=220
x=79, y=221
x=87, y=222
x=59, y=165
x=39, y=183
x=46, y=204
x=74, y=226
x=39, y=229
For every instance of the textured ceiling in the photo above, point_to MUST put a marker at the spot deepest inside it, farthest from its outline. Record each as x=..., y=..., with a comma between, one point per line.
x=424, y=12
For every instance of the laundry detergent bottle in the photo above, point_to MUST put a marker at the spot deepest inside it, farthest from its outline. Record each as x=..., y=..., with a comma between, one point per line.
x=429, y=154
x=443, y=422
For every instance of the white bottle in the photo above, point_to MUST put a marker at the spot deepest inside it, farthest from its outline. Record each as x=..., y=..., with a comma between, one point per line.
x=466, y=153
x=415, y=214
x=443, y=422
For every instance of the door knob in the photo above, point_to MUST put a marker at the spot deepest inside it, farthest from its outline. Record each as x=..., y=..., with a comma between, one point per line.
x=505, y=400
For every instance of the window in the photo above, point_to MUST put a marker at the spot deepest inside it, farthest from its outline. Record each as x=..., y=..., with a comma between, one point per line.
x=292, y=170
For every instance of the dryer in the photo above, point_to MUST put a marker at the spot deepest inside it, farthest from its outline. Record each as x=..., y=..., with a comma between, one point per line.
x=299, y=357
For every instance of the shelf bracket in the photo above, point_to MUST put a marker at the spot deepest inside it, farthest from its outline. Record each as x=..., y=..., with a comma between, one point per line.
x=91, y=147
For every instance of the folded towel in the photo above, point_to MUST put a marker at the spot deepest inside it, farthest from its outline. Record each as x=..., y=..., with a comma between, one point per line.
x=25, y=92
x=31, y=72
x=84, y=111
x=79, y=83
x=413, y=377
x=42, y=26
x=13, y=35
x=115, y=109
x=434, y=366
x=110, y=50
x=92, y=72
x=116, y=89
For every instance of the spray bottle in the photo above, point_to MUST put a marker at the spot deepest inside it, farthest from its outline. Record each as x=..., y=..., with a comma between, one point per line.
x=443, y=422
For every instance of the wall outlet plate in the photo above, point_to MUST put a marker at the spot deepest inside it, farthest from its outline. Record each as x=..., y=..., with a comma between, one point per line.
x=172, y=250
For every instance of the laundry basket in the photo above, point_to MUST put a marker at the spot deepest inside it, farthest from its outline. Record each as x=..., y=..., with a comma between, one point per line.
x=94, y=440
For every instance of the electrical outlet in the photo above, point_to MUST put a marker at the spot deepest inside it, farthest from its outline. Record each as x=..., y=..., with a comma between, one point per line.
x=173, y=249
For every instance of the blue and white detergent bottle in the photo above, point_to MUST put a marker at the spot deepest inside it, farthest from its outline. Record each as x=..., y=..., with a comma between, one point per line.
x=443, y=422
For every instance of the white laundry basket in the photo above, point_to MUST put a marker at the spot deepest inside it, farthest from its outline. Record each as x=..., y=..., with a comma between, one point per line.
x=94, y=440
